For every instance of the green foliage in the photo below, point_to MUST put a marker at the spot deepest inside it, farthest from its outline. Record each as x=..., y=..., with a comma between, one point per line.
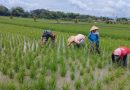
x=40, y=85
x=31, y=67
x=21, y=75
x=17, y=11
x=72, y=76
x=66, y=87
x=63, y=70
x=8, y=86
x=3, y=11
x=77, y=85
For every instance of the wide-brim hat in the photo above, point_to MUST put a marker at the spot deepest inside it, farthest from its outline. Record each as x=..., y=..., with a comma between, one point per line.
x=71, y=39
x=94, y=28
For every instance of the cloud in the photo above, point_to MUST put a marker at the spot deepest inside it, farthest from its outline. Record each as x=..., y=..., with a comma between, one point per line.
x=104, y=8
x=23, y=3
x=111, y=8
x=79, y=4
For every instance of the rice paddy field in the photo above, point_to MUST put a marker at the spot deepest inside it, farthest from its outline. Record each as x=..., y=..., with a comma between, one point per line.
x=24, y=65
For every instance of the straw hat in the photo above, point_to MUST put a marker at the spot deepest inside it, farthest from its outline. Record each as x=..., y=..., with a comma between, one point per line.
x=94, y=28
x=71, y=39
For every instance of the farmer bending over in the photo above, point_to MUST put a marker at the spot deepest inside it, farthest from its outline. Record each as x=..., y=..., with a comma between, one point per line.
x=78, y=40
x=94, y=39
x=46, y=35
x=120, y=55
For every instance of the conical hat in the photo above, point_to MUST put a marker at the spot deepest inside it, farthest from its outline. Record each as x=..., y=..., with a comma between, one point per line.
x=94, y=28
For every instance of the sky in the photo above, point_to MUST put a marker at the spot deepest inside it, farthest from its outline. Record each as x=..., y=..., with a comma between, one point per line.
x=109, y=8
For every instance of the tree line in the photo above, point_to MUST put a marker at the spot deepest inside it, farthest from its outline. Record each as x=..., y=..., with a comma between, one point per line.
x=46, y=14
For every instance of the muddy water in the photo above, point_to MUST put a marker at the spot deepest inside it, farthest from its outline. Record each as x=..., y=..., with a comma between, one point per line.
x=100, y=73
x=62, y=81
x=25, y=47
x=4, y=78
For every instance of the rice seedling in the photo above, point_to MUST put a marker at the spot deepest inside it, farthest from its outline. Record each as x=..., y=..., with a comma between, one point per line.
x=20, y=55
x=66, y=87
x=20, y=75
x=63, y=70
x=77, y=85
x=8, y=86
x=72, y=76
x=40, y=84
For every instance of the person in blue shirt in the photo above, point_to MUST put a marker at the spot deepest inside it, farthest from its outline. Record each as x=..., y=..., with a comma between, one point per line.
x=94, y=39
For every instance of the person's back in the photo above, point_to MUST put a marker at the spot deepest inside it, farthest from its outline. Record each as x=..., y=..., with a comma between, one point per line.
x=120, y=54
x=48, y=34
x=79, y=37
x=78, y=40
x=71, y=40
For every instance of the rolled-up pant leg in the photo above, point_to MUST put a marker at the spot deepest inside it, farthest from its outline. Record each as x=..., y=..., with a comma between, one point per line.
x=115, y=58
x=97, y=47
x=125, y=60
x=45, y=39
x=53, y=39
x=92, y=46
x=81, y=43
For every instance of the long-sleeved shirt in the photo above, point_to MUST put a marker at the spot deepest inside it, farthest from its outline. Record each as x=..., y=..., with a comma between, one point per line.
x=78, y=38
x=46, y=33
x=93, y=37
x=121, y=51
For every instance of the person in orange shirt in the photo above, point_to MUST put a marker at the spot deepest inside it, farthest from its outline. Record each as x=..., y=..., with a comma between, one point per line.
x=120, y=54
x=78, y=40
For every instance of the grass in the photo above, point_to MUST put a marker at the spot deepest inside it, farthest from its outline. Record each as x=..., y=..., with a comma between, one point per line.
x=30, y=66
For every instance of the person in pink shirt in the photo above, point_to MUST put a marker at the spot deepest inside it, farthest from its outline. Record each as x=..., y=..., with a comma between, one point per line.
x=120, y=54
x=78, y=40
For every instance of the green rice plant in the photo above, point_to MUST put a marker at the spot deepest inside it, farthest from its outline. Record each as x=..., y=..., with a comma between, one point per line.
x=72, y=68
x=77, y=85
x=60, y=58
x=43, y=70
x=98, y=85
x=53, y=66
x=5, y=70
x=16, y=66
x=119, y=72
x=8, y=86
x=63, y=70
x=108, y=79
x=20, y=75
x=52, y=83
x=33, y=72
x=88, y=69
x=26, y=86
x=82, y=72
x=100, y=65
x=87, y=79
x=122, y=84
x=90, y=87
x=72, y=76
x=28, y=63
x=66, y=87
x=110, y=69
x=11, y=74
x=40, y=84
